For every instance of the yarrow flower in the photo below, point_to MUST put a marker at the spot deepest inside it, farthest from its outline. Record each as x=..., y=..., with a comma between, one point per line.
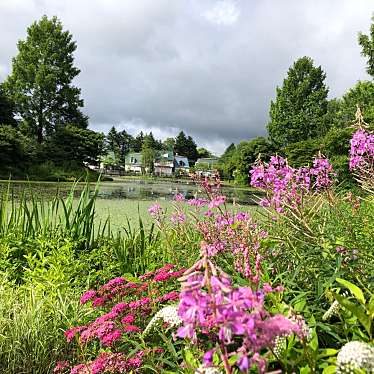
x=355, y=355
x=168, y=314
x=88, y=295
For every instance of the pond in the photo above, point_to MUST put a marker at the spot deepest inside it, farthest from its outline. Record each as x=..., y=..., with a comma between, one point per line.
x=127, y=198
x=132, y=189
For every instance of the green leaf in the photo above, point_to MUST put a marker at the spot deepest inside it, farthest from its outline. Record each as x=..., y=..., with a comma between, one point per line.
x=314, y=342
x=370, y=306
x=357, y=310
x=305, y=370
x=329, y=370
x=327, y=353
x=356, y=291
x=189, y=358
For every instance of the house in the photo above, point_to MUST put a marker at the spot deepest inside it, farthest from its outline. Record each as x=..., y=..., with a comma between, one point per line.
x=164, y=163
x=206, y=166
x=181, y=165
x=133, y=162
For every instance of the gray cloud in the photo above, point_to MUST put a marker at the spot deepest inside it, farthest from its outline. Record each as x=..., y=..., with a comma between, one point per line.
x=209, y=67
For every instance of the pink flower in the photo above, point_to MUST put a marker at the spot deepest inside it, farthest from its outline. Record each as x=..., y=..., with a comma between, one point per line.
x=178, y=218
x=120, y=308
x=60, y=366
x=109, y=339
x=128, y=319
x=217, y=201
x=155, y=210
x=179, y=197
x=131, y=328
x=88, y=295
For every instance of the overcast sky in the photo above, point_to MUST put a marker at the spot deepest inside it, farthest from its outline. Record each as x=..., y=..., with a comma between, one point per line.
x=208, y=67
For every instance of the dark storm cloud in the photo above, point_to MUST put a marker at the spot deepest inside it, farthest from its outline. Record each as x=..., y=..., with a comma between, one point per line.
x=207, y=67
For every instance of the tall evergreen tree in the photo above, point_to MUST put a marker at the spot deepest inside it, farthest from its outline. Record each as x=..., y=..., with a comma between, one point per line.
x=186, y=146
x=41, y=80
x=300, y=106
x=138, y=142
x=367, y=48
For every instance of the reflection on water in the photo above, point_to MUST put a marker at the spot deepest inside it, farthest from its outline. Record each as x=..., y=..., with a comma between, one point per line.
x=166, y=191
x=134, y=189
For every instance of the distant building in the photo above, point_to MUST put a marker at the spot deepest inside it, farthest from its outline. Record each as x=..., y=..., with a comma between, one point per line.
x=133, y=162
x=181, y=165
x=164, y=163
x=206, y=166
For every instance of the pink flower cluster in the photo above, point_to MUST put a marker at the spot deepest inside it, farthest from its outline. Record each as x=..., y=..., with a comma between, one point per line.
x=213, y=310
x=129, y=307
x=106, y=362
x=362, y=149
x=285, y=186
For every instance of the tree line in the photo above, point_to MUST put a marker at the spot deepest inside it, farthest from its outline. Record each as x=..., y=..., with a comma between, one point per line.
x=303, y=121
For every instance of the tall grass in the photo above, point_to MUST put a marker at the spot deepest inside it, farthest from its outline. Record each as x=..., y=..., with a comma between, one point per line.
x=27, y=216
x=31, y=328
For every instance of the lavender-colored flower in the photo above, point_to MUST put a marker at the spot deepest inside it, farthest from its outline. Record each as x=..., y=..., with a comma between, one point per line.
x=155, y=210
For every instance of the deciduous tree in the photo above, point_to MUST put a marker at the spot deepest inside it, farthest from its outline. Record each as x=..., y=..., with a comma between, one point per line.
x=300, y=106
x=41, y=80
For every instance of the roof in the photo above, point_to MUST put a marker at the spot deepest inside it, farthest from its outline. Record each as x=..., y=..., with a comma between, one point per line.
x=164, y=156
x=181, y=161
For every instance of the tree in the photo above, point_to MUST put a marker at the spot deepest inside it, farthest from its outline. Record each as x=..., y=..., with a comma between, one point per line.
x=186, y=146
x=148, y=155
x=74, y=144
x=300, y=106
x=41, y=80
x=119, y=143
x=367, y=48
x=361, y=94
x=169, y=144
x=204, y=153
x=246, y=154
x=138, y=142
x=7, y=109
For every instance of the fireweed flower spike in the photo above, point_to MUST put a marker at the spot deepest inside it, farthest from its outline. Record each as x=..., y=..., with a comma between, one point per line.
x=233, y=317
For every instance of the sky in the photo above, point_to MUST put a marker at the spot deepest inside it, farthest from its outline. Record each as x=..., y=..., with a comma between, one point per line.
x=207, y=67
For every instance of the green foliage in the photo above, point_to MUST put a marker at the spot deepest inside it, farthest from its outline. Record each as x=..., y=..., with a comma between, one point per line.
x=186, y=146
x=74, y=144
x=41, y=80
x=300, y=106
x=204, y=153
x=362, y=95
x=7, y=109
x=148, y=155
x=302, y=153
x=119, y=143
x=11, y=146
x=245, y=154
x=367, y=48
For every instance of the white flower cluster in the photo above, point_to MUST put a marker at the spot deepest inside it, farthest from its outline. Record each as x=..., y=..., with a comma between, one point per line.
x=334, y=308
x=279, y=345
x=168, y=314
x=204, y=370
x=355, y=355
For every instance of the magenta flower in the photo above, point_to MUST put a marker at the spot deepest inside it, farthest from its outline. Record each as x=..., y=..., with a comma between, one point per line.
x=155, y=210
x=88, y=295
